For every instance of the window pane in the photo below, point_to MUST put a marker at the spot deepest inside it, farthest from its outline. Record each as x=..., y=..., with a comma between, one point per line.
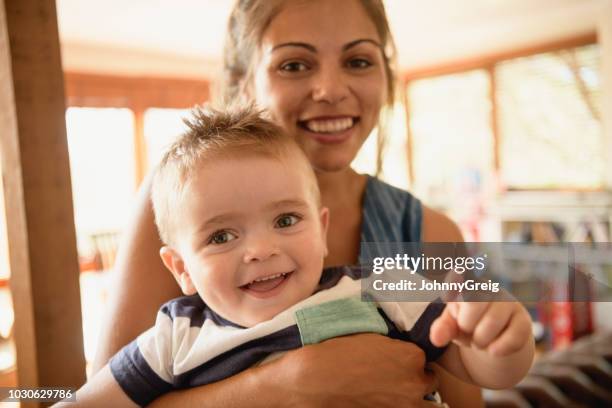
x=101, y=148
x=549, y=105
x=161, y=128
x=450, y=121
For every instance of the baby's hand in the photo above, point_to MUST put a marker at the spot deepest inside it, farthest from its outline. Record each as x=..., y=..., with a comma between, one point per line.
x=500, y=328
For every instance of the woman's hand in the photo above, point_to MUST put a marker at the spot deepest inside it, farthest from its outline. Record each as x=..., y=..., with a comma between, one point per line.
x=361, y=370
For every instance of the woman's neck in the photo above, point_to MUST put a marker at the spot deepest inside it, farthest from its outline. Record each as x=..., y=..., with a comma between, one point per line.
x=341, y=188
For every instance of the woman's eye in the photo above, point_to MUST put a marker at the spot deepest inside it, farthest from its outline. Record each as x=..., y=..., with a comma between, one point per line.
x=221, y=237
x=293, y=66
x=287, y=220
x=359, y=63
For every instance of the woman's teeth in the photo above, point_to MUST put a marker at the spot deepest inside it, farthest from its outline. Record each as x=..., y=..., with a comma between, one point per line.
x=329, y=126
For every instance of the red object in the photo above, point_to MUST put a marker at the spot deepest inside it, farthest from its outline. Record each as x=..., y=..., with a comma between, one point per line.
x=571, y=319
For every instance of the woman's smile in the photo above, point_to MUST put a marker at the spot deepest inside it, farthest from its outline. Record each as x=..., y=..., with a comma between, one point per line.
x=329, y=130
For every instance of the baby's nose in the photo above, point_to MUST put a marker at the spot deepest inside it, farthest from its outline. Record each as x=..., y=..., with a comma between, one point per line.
x=259, y=248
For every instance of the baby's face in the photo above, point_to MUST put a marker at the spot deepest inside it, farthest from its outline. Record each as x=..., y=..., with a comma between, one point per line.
x=251, y=236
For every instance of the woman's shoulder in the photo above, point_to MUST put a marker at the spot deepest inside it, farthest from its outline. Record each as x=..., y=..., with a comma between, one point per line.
x=437, y=227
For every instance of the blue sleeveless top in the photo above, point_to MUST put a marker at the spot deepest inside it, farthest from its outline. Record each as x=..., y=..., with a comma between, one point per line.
x=390, y=214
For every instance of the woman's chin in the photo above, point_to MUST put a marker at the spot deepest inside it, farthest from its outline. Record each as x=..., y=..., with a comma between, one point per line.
x=331, y=165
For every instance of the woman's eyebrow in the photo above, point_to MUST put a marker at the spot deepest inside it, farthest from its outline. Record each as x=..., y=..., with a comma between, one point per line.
x=312, y=48
x=295, y=44
x=359, y=41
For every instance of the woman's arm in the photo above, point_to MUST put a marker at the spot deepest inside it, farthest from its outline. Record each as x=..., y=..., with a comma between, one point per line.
x=100, y=391
x=141, y=283
x=362, y=370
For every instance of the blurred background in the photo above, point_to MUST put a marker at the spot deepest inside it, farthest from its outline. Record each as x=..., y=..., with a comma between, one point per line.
x=504, y=123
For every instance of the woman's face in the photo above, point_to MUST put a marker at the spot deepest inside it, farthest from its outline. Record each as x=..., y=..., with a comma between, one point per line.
x=320, y=73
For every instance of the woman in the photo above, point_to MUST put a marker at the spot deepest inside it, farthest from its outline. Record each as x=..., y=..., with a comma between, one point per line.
x=322, y=69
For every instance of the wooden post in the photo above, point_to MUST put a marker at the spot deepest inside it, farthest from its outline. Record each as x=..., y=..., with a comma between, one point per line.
x=38, y=198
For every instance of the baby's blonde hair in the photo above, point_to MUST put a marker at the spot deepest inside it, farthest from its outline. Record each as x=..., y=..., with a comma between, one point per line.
x=216, y=134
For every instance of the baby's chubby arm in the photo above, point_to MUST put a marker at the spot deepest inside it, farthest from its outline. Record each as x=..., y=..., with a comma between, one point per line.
x=100, y=391
x=491, y=344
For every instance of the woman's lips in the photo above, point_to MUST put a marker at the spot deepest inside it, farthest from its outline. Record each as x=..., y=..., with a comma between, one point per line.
x=329, y=131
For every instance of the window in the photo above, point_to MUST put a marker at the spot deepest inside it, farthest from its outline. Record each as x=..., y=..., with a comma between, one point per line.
x=548, y=110
x=452, y=138
x=527, y=121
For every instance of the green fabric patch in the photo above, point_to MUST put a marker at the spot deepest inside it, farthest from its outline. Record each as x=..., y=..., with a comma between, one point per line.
x=338, y=318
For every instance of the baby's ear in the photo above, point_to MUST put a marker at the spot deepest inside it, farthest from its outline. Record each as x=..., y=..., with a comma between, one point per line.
x=174, y=262
x=324, y=218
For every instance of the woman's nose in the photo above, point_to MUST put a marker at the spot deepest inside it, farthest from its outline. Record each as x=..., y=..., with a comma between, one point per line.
x=329, y=85
x=259, y=248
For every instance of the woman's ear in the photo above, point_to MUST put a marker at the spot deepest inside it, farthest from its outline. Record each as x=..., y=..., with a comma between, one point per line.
x=324, y=218
x=175, y=264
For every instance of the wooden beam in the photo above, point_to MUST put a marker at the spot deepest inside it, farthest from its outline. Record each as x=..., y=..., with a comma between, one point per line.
x=112, y=91
x=38, y=199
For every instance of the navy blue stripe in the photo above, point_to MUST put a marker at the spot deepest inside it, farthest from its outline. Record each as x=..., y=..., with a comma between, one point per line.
x=196, y=310
x=419, y=333
x=240, y=358
x=331, y=276
x=135, y=377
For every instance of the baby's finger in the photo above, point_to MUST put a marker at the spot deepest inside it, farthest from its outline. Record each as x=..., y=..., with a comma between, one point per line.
x=492, y=323
x=443, y=329
x=469, y=314
x=514, y=336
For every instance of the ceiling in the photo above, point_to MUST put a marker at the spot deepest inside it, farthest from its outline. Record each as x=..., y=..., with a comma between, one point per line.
x=185, y=37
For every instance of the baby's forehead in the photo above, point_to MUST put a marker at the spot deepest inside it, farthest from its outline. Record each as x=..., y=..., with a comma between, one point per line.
x=291, y=163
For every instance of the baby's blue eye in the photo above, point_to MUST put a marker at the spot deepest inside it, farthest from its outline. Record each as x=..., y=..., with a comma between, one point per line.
x=221, y=237
x=287, y=220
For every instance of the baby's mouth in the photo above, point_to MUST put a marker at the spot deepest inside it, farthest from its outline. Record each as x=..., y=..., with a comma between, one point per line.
x=328, y=125
x=267, y=283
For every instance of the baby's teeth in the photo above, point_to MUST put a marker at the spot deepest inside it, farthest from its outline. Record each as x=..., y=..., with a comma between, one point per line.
x=278, y=275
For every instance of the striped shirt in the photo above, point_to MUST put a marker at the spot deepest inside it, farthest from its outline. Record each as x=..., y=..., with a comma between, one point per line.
x=191, y=345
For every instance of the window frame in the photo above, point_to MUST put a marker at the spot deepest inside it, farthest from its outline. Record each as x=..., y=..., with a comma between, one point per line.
x=137, y=94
